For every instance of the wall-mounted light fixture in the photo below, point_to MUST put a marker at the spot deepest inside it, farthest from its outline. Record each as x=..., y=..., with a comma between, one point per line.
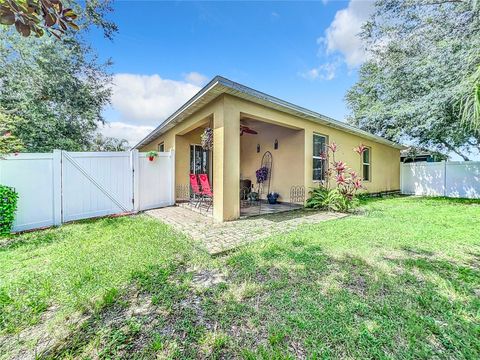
x=258, y=148
x=275, y=144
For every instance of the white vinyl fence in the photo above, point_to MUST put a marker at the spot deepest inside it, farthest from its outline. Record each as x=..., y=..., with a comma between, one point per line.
x=64, y=186
x=451, y=179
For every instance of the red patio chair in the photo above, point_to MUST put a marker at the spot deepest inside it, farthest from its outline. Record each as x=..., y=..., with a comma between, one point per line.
x=206, y=189
x=198, y=195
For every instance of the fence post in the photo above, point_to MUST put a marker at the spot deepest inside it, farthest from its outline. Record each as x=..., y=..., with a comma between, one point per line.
x=445, y=178
x=402, y=171
x=134, y=163
x=172, y=177
x=57, y=187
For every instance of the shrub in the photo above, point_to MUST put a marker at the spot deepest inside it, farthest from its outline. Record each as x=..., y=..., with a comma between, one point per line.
x=343, y=195
x=330, y=199
x=8, y=206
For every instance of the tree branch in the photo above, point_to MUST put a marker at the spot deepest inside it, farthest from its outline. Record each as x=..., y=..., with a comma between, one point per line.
x=451, y=148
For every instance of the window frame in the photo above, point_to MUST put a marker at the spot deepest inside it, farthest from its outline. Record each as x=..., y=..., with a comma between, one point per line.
x=369, y=164
x=325, y=162
x=163, y=145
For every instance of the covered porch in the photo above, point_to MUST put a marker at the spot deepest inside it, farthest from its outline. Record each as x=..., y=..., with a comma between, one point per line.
x=271, y=167
x=241, y=147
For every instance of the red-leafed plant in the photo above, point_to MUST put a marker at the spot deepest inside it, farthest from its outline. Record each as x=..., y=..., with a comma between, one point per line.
x=338, y=192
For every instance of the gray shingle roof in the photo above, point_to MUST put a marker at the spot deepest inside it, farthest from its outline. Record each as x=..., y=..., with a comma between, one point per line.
x=220, y=85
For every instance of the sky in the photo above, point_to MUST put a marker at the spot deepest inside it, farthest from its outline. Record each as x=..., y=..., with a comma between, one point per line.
x=307, y=53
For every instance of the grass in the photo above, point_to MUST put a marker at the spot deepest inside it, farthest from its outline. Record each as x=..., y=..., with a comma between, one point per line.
x=399, y=279
x=78, y=267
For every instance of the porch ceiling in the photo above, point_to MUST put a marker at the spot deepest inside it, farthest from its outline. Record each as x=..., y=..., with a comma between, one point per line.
x=250, y=120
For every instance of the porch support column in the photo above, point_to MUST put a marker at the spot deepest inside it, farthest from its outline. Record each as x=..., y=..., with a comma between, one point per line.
x=308, y=161
x=226, y=161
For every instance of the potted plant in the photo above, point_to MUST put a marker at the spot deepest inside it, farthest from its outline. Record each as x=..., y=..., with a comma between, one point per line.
x=272, y=197
x=253, y=196
x=152, y=155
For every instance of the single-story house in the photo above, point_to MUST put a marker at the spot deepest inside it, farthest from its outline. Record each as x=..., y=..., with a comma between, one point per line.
x=293, y=136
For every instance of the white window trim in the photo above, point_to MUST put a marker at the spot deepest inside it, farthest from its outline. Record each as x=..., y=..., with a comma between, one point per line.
x=319, y=157
x=369, y=164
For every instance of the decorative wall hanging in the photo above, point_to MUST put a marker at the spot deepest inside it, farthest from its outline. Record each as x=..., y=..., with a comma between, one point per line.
x=258, y=148
x=275, y=144
x=207, y=138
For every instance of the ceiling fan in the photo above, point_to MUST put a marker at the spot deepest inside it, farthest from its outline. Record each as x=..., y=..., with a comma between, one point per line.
x=246, y=130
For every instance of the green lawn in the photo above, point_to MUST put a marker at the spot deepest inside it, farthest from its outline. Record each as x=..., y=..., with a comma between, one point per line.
x=399, y=279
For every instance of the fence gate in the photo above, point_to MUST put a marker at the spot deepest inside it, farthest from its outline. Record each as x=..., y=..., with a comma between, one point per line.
x=154, y=180
x=96, y=184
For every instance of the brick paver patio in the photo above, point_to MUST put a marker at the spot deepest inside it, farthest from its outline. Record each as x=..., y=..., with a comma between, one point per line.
x=220, y=237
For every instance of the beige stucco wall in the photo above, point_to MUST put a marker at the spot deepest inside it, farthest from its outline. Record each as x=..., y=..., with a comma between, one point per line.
x=293, y=160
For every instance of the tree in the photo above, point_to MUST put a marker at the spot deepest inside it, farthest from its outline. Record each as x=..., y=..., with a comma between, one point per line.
x=106, y=143
x=9, y=143
x=470, y=102
x=418, y=82
x=57, y=88
x=55, y=17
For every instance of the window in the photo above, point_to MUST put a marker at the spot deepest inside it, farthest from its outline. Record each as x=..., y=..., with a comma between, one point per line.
x=161, y=147
x=366, y=162
x=319, y=160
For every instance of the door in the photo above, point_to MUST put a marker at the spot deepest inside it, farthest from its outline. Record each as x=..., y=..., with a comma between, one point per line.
x=199, y=160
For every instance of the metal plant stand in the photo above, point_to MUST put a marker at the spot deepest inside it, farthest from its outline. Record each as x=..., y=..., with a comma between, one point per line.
x=267, y=162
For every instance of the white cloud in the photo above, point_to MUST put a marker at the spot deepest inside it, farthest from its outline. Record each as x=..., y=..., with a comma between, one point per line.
x=342, y=35
x=132, y=133
x=142, y=102
x=149, y=99
x=195, y=78
x=325, y=71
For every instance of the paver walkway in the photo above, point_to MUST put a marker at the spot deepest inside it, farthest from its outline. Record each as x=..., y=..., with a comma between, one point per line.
x=220, y=237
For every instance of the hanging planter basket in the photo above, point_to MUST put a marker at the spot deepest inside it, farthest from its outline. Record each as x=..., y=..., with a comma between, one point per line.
x=262, y=174
x=207, y=139
x=151, y=155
